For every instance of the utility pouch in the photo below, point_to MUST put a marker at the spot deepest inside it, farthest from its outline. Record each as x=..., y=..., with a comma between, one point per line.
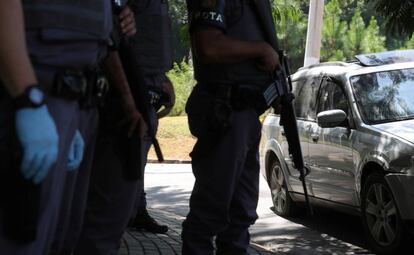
x=19, y=198
x=96, y=90
x=70, y=85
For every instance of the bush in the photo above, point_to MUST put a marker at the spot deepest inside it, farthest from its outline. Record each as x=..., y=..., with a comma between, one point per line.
x=181, y=75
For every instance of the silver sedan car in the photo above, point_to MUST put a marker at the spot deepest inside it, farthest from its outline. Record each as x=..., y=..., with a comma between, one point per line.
x=356, y=128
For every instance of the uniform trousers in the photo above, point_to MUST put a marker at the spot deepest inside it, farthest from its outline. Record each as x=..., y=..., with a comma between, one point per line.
x=66, y=115
x=225, y=195
x=112, y=200
x=141, y=201
x=76, y=190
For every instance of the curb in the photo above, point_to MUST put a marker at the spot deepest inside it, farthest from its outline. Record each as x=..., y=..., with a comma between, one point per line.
x=169, y=161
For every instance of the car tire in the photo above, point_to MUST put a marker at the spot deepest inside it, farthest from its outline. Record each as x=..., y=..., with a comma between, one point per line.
x=380, y=218
x=283, y=205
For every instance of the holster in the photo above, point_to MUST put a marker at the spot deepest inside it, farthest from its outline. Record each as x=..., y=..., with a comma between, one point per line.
x=215, y=113
x=19, y=198
x=89, y=87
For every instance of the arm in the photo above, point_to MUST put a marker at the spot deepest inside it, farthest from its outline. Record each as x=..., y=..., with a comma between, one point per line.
x=212, y=46
x=34, y=126
x=115, y=73
x=16, y=71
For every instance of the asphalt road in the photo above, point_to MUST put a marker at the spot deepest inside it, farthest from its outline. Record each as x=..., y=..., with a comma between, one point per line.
x=168, y=187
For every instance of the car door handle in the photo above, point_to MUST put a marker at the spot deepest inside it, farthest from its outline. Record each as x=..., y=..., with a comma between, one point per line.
x=315, y=138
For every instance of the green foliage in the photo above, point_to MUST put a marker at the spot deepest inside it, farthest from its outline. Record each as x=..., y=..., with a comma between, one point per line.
x=344, y=36
x=333, y=32
x=355, y=35
x=398, y=14
x=373, y=41
x=291, y=25
x=182, y=78
x=410, y=43
x=181, y=40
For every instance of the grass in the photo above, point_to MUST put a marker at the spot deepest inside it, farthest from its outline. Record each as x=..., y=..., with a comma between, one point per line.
x=175, y=139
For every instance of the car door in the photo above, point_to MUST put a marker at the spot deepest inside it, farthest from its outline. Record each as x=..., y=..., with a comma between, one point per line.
x=305, y=98
x=330, y=149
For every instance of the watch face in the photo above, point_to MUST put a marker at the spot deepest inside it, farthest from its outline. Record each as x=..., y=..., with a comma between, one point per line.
x=36, y=96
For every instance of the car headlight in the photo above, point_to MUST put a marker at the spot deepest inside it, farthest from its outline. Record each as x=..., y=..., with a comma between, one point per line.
x=410, y=171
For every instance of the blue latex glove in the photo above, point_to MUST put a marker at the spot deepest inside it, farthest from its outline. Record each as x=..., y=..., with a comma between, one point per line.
x=76, y=152
x=39, y=139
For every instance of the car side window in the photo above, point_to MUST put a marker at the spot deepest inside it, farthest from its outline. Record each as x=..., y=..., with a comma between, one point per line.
x=332, y=97
x=305, y=97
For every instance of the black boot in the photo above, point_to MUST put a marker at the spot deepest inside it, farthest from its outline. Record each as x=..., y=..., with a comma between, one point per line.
x=146, y=222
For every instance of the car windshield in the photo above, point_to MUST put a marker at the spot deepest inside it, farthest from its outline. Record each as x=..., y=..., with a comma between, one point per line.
x=385, y=96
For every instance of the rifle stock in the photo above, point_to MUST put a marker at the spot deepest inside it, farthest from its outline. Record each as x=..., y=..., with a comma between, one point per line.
x=283, y=90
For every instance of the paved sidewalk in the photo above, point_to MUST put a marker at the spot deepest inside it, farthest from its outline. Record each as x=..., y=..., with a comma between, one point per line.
x=144, y=243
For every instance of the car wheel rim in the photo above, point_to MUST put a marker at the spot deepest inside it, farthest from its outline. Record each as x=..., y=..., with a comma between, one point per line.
x=381, y=214
x=278, y=191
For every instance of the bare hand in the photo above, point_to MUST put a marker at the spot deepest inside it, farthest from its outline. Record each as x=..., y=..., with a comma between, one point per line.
x=167, y=88
x=127, y=21
x=269, y=61
x=134, y=121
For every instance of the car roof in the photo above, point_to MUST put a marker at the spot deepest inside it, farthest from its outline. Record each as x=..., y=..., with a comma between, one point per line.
x=342, y=70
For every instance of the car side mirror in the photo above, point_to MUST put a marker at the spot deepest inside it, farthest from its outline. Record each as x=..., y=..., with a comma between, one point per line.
x=331, y=118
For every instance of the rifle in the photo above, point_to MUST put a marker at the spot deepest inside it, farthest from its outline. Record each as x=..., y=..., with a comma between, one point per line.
x=135, y=78
x=281, y=89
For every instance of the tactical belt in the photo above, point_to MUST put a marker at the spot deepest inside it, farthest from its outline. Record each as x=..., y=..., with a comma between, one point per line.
x=241, y=96
x=88, y=86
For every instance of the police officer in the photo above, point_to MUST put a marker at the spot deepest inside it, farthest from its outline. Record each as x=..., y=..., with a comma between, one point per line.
x=232, y=64
x=111, y=196
x=154, y=54
x=77, y=182
x=112, y=193
x=47, y=65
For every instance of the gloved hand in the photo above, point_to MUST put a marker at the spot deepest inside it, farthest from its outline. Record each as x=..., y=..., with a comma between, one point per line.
x=76, y=152
x=38, y=136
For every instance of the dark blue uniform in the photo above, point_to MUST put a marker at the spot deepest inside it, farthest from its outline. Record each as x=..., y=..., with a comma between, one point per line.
x=55, y=47
x=225, y=162
x=114, y=199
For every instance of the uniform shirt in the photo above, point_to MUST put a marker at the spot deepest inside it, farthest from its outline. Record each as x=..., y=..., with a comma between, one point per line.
x=237, y=19
x=60, y=47
x=207, y=13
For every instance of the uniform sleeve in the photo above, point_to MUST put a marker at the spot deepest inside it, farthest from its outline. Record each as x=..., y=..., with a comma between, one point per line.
x=204, y=13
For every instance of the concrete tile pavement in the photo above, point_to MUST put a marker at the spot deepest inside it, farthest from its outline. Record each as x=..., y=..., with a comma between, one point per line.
x=144, y=243
x=168, y=188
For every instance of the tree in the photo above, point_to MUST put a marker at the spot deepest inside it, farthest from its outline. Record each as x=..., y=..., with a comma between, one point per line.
x=398, y=15
x=291, y=24
x=373, y=41
x=410, y=43
x=355, y=35
x=333, y=40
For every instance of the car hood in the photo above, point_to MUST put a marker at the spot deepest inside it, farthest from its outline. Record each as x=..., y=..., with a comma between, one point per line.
x=403, y=129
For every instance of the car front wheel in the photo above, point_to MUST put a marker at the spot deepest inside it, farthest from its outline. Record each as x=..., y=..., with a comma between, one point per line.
x=380, y=217
x=283, y=203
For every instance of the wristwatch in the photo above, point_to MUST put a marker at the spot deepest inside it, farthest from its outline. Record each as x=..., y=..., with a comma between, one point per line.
x=32, y=97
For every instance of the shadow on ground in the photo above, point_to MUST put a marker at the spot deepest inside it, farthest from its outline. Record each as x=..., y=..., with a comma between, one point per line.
x=326, y=232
